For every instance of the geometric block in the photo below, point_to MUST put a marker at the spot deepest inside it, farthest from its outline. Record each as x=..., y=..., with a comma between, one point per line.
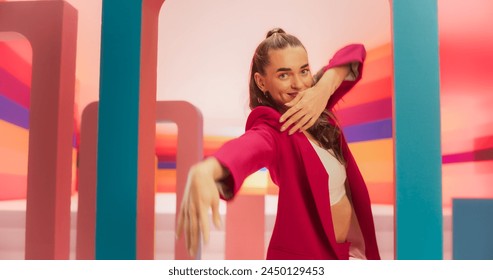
x=472, y=229
x=245, y=228
x=87, y=173
x=125, y=181
x=147, y=130
x=51, y=29
x=118, y=118
x=189, y=121
x=418, y=161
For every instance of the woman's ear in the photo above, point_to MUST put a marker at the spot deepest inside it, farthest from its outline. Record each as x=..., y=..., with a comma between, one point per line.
x=260, y=81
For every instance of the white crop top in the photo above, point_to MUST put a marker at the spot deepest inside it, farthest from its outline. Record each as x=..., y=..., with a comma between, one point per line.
x=336, y=172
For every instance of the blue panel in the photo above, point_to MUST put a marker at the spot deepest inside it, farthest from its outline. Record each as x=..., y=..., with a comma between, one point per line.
x=418, y=174
x=472, y=229
x=118, y=119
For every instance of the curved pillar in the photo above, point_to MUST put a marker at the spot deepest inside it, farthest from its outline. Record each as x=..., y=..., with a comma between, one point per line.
x=190, y=141
x=86, y=211
x=51, y=28
x=189, y=121
x=147, y=129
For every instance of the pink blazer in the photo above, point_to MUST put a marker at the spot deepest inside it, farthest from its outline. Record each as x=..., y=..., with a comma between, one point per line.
x=303, y=227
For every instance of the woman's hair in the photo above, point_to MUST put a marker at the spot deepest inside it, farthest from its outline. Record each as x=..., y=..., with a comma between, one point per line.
x=327, y=134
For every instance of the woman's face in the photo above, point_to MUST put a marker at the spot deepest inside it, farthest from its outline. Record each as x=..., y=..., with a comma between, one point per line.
x=287, y=74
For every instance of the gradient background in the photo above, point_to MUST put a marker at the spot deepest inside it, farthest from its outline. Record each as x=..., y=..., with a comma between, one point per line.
x=205, y=48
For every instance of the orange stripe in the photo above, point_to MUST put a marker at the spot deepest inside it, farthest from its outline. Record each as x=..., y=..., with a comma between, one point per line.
x=375, y=159
x=377, y=69
x=12, y=162
x=376, y=82
x=381, y=193
x=14, y=137
x=166, y=144
x=166, y=180
x=366, y=93
x=379, y=52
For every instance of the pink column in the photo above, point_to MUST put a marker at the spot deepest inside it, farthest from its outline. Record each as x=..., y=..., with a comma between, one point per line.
x=146, y=153
x=51, y=28
x=245, y=228
x=86, y=212
x=189, y=121
x=147, y=129
x=190, y=138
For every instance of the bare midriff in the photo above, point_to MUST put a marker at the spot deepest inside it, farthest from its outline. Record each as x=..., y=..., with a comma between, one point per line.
x=341, y=218
x=341, y=211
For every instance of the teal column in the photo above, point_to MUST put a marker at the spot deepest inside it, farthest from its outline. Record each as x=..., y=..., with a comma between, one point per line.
x=418, y=176
x=116, y=203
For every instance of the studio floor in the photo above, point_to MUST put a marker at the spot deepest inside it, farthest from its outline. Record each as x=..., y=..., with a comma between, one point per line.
x=12, y=229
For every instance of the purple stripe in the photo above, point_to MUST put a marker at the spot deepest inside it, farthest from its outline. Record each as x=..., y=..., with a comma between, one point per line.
x=13, y=113
x=16, y=114
x=166, y=165
x=364, y=113
x=369, y=131
x=14, y=89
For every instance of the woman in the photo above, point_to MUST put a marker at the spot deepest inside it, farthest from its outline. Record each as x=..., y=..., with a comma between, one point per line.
x=323, y=208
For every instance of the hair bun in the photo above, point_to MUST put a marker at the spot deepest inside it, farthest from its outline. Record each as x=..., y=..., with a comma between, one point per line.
x=274, y=31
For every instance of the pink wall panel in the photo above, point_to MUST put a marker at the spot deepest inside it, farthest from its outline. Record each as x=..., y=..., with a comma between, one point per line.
x=466, y=44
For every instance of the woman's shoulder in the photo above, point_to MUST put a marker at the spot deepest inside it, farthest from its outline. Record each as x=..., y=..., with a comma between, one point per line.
x=262, y=115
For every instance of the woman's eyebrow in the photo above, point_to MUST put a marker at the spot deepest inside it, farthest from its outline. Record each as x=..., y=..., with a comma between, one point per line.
x=283, y=69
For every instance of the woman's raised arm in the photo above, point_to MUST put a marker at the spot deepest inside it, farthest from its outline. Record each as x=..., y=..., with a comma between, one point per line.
x=332, y=82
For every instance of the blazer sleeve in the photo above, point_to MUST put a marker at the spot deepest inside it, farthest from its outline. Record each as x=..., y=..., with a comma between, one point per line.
x=354, y=55
x=244, y=155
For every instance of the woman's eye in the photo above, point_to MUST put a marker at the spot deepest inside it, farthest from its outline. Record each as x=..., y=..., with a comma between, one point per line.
x=305, y=71
x=283, y=76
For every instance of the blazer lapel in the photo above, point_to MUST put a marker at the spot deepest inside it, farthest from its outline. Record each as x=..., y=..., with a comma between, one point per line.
x=318, y=184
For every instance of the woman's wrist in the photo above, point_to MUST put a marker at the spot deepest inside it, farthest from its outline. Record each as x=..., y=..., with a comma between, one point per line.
x=210, y=167
x=336, y=75
x=332, y=78
x=213, y=168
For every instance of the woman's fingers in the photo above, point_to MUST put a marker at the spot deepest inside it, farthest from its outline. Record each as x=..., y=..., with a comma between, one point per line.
x=204, y=225
x=216, y=217
x=179, y=226
x=292, y=108
x=193, y=219
x=186, y=225
x=304, y=120
x=193, y=231
x=308, y=124
x=293, y=118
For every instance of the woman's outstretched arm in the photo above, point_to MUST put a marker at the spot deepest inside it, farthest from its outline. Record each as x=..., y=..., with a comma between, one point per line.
x=222, y=175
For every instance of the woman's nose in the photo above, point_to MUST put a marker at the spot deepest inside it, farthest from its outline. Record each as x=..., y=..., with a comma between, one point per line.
x=296, y=83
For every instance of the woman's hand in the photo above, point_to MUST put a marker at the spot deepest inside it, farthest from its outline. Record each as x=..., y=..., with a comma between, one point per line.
x=200, y=194
x=309, y=104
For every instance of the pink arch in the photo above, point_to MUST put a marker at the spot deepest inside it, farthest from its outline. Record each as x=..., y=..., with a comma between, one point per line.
x=51, y=28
